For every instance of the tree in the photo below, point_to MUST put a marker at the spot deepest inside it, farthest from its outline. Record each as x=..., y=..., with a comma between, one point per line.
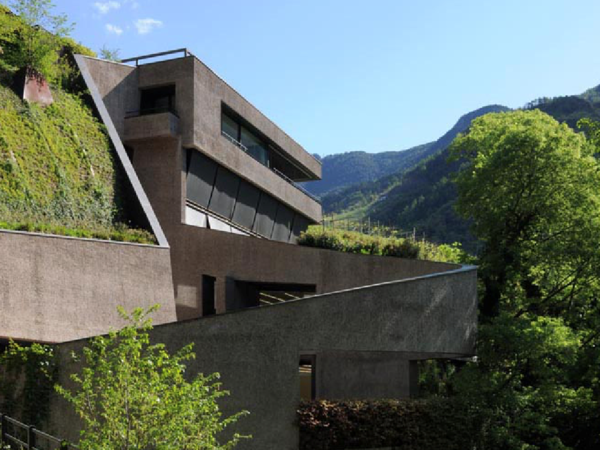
x=39, y=34
x=531, y=187
x=133, y=395
x=110, y=54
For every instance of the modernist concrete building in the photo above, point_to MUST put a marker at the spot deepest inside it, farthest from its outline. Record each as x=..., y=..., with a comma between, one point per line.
x=217, y=183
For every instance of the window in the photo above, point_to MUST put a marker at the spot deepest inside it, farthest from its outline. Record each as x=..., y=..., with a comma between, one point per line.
x=230, y=127
x=255, y=147
x=157, y=100
x=208, y=295
x=249, y=141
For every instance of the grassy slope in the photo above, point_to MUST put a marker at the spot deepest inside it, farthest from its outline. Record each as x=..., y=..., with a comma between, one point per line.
x=57, y=171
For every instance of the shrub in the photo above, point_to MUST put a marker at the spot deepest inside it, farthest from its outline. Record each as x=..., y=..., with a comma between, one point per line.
x=404, y=424
x=364, y=244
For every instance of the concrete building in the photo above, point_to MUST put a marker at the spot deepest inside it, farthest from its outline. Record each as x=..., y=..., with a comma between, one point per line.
x=217, y=182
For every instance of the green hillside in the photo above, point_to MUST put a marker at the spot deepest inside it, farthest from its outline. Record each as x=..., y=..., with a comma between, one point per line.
x=349, y=168
x=58, y=172
x=424, y=196
x=419, y=194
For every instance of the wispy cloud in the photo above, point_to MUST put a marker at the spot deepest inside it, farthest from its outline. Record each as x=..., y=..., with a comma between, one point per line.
x=132, y=3
x=104, y=8
x=145, y=26
x=113, y=29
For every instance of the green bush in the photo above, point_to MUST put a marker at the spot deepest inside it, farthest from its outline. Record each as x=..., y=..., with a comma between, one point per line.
x=434, y=424
x=364, y=244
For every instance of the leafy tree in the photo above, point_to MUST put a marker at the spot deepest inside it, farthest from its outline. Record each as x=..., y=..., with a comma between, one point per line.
x=110, y=54
x=133, y=395
x=37, y=34
x=27, y=377
x=531, y=187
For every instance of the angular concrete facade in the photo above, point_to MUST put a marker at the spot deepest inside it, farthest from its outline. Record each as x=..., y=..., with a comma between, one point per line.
x=216, y=180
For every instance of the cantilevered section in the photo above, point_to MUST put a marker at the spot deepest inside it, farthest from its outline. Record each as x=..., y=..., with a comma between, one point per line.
x=209, y=117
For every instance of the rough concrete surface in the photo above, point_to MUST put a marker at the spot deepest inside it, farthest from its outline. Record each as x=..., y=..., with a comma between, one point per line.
x=55, y=289
x=257, y=350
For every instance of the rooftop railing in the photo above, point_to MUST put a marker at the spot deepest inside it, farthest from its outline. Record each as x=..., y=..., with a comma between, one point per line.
x=137, y=59
x=273, y=169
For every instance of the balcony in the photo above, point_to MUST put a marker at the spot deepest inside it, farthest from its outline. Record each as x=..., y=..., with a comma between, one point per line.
x=273, y=169
x=147, y=124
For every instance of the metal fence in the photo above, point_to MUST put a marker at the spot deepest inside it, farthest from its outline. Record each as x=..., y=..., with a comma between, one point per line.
x=19, y=436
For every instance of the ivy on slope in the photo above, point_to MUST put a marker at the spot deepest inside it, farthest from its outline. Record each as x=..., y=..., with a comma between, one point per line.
x=57, y=170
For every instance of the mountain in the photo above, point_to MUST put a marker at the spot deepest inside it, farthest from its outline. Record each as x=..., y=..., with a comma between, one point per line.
x=374, y=194
x=423, y=197
x=348, y=168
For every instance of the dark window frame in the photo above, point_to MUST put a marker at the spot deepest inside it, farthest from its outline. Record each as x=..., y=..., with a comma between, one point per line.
x=171, y=100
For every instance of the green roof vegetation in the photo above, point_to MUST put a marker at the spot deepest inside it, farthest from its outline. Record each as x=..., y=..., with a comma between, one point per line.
x=365, y=244
x=58, y=172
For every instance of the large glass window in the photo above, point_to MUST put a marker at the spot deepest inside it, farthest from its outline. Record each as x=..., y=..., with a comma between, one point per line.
x=255, y=147
x=230, y=127
x=250, y=141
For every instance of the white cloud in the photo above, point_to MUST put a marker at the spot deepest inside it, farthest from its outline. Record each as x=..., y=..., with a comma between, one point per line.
x=133, y=4
x=114, y=29
x=105, y=7
x=145, y=26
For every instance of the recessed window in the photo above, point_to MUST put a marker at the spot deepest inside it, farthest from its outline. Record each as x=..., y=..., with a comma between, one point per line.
x=157, y=100
x=248, y=140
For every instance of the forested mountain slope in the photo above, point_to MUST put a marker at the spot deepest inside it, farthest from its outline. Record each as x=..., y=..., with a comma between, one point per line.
x=423, y=197
x=343, y=169
x=377, y=192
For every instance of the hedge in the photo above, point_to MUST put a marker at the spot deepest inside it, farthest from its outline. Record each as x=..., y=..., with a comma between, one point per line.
x=439, y=423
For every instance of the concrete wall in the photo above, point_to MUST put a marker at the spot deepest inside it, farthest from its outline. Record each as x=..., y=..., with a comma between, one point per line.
x=209, y=90
x=151, y=127
x=199, y=251
x=199, y=93
x=118, y=87
x=360, y=375
x=55, y=289
x=196, y=251
x=257, y=351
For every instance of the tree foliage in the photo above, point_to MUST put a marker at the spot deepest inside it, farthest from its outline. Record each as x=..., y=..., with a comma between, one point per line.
x=133, y=395
x=531, y=187
x=35, y=39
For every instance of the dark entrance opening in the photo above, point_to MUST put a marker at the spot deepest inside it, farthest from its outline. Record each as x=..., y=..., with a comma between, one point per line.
x=208, y=295
x=307, y=377
x=248, y=294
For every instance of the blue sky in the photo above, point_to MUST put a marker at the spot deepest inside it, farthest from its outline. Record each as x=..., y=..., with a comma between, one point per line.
x=372, y=75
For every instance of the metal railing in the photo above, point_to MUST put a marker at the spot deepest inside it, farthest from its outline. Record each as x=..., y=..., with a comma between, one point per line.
x=137, y=59
x=148, y=111
x=296, y=185
x=273, y=169
x=17, y=435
